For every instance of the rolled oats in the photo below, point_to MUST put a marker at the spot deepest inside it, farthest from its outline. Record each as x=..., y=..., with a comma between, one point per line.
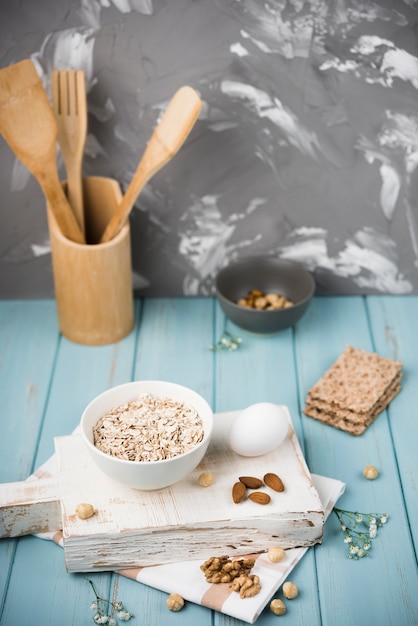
x=148, y=429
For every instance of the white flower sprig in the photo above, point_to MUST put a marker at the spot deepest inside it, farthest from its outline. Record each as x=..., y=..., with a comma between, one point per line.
x=226, y=341
x=102, y=606
x=359, y=530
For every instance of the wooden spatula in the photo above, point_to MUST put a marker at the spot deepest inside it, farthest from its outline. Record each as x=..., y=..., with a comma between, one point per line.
x=28, y=125
x=70, y=108
x=168, y=137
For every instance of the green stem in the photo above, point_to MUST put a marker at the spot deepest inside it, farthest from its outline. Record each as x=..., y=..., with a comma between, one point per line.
x=354, y=513
x=94, y=589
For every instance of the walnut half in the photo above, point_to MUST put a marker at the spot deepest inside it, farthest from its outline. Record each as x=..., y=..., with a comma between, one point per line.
x=248, y=586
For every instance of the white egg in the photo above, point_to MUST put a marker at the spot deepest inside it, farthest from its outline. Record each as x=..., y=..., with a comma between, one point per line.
x=258, y=429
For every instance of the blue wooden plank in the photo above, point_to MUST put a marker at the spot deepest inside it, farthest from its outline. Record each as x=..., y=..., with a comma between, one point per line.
x=262, y=369
x=41, y=592
x=256, y=371
x=80, y=374
x=7, y=552
x=174, y=343
x=28, y=344
x=393, y=322
x=390, y=600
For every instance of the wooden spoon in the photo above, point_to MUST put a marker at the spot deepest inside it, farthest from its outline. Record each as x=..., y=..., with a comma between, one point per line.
x=168, y=137
x=28, y=125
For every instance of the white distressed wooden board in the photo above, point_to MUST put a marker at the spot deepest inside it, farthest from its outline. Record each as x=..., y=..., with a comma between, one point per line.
x=185, y=521
x=30, y=506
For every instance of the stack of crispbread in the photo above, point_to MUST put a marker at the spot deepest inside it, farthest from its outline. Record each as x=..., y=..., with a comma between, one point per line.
x=355, y=389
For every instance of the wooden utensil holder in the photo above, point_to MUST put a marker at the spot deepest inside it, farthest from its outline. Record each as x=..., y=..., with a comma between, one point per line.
x=93, y=282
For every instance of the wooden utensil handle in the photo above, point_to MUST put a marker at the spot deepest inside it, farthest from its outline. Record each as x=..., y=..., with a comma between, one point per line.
x=168, y=137
x=60, y=207
x=75, y=194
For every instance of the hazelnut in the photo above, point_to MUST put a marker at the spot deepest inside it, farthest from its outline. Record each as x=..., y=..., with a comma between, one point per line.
x=175, y=602
x=84, y=510
x=290, y=590
x=370, y=472
x=277, y=607
x=276, y=554
x=206, y=479
x=260, y=302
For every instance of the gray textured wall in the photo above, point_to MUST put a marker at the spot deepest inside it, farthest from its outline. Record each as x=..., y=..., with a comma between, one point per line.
x=306, y=147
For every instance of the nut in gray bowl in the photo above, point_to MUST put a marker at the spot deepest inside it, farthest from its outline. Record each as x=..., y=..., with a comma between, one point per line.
x=269, y=275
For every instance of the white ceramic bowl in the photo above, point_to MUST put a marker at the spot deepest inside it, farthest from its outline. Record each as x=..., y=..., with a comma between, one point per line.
x=146, y=475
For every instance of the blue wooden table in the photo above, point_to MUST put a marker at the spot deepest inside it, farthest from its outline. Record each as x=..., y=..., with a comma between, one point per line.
x=46, y=381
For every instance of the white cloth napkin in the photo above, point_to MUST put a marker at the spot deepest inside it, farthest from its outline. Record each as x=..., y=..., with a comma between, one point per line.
x=186, y=578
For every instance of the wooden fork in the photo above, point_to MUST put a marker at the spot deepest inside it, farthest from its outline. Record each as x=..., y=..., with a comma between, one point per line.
x=70, y=108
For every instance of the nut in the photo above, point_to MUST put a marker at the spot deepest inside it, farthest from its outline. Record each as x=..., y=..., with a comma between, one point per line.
x=370, y=472
x=256, y=299
x=260, y=303
x=260, y=497
x=206, y=479
x=238, y=492
x=175, y=602
x=273, y=481
x=221, y=569
x=84, y=510
x=248, y=586
x=277, y=607
x=251, y=482
x=276, y=554
x=290, y=590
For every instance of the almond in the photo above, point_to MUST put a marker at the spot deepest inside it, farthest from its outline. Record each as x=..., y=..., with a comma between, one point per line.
x=251, y=482
x=238, y=492
x=273, y=481
x=260, y=497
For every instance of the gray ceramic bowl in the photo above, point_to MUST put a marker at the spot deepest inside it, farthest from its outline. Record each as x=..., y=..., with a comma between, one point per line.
x=269, y=275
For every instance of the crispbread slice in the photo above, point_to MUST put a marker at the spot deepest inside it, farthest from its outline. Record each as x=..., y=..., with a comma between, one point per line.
x=355, y=416
x=352, y=427
x=356, y=380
